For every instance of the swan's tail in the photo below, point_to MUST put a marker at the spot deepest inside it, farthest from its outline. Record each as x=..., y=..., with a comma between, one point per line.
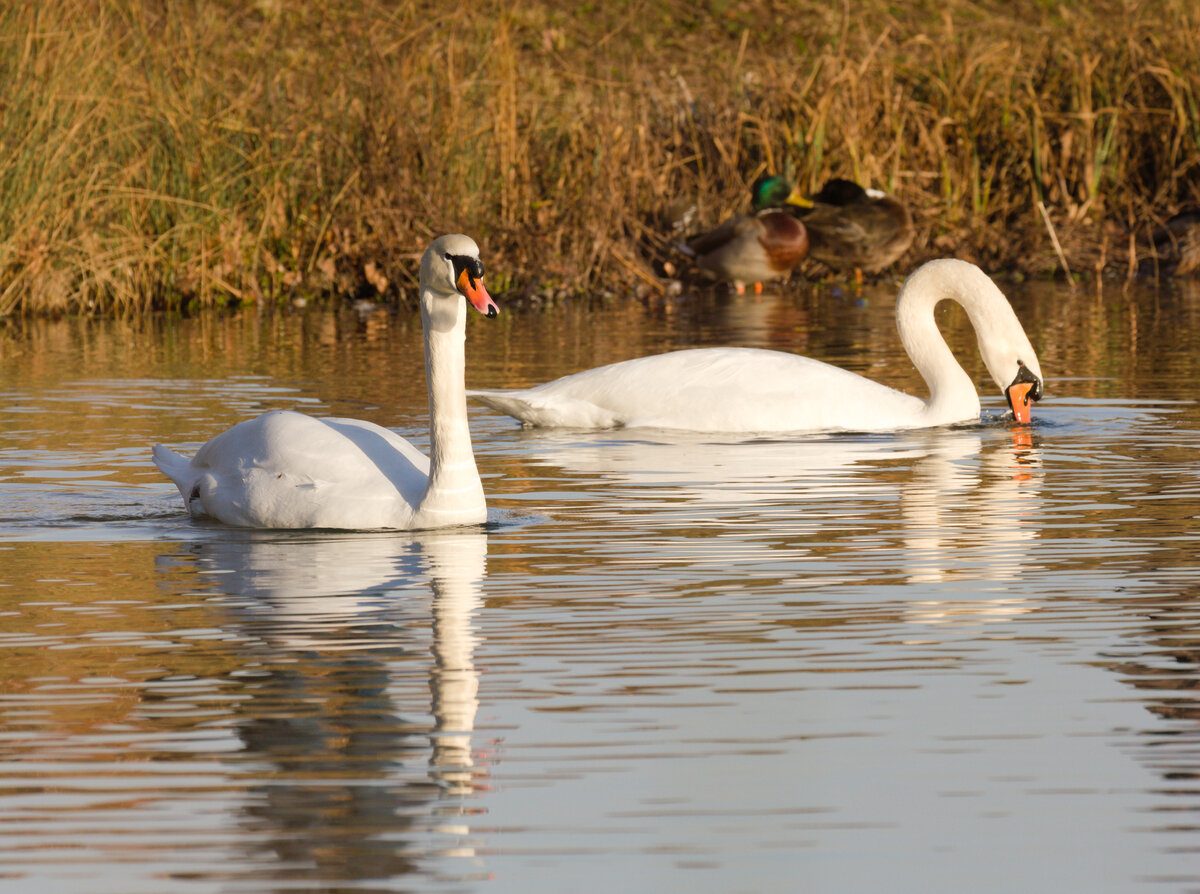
x=178, y=468
x=540, y=411
x=508, y=402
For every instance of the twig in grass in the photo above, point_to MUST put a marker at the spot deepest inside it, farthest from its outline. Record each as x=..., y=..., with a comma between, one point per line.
x=636, y=270
x=1057, y=247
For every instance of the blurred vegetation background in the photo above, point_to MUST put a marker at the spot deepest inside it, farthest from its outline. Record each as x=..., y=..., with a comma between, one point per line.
x=183, y=153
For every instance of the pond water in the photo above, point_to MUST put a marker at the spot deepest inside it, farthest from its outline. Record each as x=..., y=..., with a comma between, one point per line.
x=958, y=659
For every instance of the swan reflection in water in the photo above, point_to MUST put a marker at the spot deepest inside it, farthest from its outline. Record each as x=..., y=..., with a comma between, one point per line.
x=987, y=508
x=932, y=506
x=334, y=653
x=972, y=520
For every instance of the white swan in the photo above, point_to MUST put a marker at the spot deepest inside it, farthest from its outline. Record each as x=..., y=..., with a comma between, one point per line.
x=753, y=390
x=288, y=470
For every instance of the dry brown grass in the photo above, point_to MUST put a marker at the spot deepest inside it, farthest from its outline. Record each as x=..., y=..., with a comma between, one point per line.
x=157, y=154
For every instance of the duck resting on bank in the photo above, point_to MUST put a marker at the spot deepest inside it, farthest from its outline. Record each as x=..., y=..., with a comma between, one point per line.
x=852, y=228
x=754, y=390
x=751, y=249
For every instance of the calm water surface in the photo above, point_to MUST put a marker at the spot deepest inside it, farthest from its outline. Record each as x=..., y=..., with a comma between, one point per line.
x=960, y=659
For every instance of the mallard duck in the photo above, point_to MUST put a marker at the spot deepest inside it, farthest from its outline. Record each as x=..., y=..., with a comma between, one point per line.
x=758, y=247
x=852, y=227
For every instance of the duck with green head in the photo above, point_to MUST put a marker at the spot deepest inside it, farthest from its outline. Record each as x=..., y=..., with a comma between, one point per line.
x=755, y=248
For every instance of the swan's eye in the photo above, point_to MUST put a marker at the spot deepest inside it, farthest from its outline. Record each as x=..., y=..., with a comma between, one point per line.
x=473, y=267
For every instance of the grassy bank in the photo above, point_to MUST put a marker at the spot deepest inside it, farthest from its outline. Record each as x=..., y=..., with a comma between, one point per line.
x=160, y=154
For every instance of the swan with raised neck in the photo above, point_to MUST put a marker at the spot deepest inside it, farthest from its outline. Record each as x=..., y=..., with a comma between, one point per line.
x=288, y=470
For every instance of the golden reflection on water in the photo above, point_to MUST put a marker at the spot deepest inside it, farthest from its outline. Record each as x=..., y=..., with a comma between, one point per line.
x=733, y=652
x=1126, y=335
x=306, y=667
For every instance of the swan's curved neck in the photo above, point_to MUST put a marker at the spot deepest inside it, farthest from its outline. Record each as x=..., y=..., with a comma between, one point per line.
x=952, y=394
x=454, y=487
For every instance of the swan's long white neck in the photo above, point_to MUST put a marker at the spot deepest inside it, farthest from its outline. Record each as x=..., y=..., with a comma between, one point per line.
x=1002, y=341
x=455, y=493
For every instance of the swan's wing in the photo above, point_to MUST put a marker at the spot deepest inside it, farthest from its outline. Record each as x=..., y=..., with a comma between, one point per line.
x=713, y=389
x=285, y=469
x=401, y=462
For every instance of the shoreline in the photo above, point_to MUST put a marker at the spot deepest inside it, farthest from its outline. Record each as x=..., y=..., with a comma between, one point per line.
x=167, y=158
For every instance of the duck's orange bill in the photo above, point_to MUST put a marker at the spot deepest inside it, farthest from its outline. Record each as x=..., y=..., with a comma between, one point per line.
x=1018, y=399
x=474, y=291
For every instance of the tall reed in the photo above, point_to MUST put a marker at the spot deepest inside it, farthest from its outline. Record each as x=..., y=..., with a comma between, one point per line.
x=158, y=154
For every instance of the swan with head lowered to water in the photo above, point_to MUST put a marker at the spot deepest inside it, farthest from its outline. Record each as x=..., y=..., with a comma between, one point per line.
x=287, y=470
x=754, y=390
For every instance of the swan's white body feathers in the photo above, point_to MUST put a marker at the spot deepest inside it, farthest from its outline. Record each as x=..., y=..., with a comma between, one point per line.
x=775, y=391
x=287, y=470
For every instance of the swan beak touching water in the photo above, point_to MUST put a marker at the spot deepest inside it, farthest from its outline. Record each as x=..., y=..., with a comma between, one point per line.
x=1024, y=390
